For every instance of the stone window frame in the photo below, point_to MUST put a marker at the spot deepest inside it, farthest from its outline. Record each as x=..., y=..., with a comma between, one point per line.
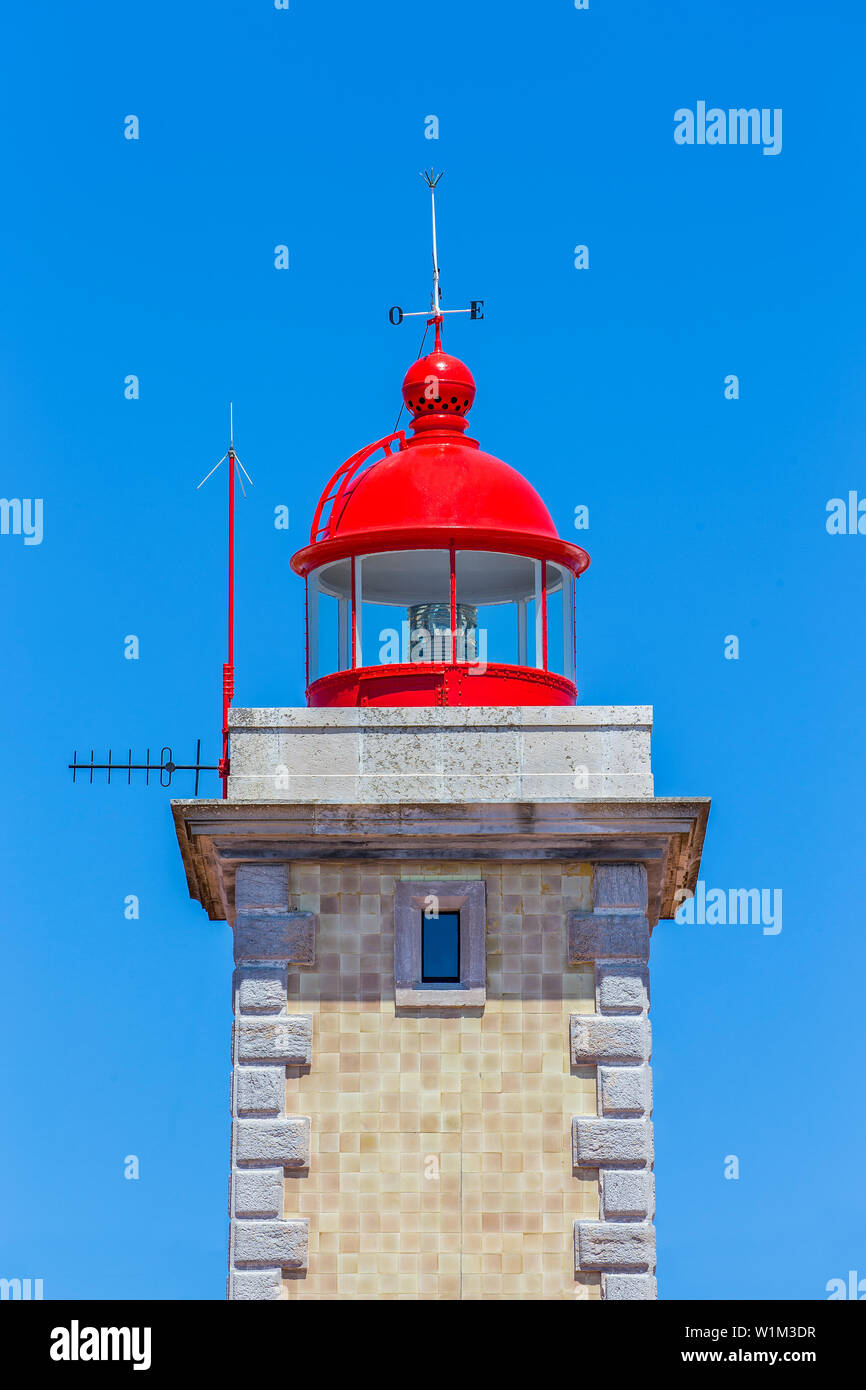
x=469, y=898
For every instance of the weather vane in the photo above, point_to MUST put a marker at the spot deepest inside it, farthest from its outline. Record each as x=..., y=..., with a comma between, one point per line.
x=435, y=313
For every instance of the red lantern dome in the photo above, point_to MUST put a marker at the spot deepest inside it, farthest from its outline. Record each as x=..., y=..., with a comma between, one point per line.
x=434, y=573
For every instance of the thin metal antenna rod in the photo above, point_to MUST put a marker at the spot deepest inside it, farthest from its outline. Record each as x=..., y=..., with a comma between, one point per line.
x=229, y=668
x=435, y=261
x=210, y=475
x=228, y=688
x=431, y=181
x=244, y=471
x=435, y=314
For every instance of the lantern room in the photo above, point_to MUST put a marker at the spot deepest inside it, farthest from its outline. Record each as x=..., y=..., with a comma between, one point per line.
x=434, y=572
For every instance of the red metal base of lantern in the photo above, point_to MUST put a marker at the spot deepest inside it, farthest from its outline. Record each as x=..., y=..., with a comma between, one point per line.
x=433, y=683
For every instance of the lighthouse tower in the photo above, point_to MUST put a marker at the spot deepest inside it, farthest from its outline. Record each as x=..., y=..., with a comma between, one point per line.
x=442, y=875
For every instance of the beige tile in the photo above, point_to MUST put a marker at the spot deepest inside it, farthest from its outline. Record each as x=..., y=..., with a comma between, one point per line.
x=440, y=1148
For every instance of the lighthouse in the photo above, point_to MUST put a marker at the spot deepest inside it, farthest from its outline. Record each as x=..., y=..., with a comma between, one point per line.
x=442, y=876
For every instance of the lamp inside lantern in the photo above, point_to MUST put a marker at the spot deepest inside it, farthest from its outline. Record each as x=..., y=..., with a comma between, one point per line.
x=430, y=632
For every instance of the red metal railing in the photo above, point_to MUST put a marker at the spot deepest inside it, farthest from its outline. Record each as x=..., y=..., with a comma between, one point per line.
x=345, y=480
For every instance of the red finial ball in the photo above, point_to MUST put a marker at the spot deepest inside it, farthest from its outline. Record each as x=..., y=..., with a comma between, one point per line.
x=439, y=386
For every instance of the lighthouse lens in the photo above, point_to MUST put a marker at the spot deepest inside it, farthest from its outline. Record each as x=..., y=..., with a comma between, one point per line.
x=430, y=632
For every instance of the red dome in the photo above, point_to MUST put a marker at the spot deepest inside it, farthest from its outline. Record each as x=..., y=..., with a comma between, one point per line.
x=436, y=484
x=443, y=482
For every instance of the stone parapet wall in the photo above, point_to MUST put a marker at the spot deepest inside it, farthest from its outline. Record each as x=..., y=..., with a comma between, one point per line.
x=375, y=755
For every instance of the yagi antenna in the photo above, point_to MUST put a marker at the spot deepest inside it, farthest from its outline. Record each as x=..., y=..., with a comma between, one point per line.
x=228, y=689
x=435, y=313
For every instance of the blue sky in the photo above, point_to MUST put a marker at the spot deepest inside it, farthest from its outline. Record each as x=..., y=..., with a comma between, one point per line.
x=605, y=387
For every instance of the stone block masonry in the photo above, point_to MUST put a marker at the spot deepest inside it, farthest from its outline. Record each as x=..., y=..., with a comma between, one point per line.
x=617, y=1143
x=505, y=1154
x=440, y=1157
x=266, y=1142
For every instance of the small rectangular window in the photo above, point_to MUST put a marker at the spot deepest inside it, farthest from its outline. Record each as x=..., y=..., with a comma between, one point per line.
x=440, y=949
x=440, y=957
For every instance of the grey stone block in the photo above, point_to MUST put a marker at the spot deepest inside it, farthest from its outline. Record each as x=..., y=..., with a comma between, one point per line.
x=283, y=936
x=261, y=991
x=627, y=1193
x=596, y=1142
x=622, y=987
x=622, y=1288
x=288, y=1039
x=625, y=1090
x=258, y=1192
x=617, y=936
x=600, y=1245
x=341, y=790
x=262, y=885
x=255, y=1285
x=619, y=888
x=481, y=753
x=260, y=1090
x=609, y=1038
x=283, y=1244
x=285, y=1141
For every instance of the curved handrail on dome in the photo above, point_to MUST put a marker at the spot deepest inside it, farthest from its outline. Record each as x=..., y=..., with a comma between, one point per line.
x=348, y=476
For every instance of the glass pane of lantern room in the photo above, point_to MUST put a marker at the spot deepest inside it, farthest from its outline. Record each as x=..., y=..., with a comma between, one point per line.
x=329, y=618
x=406, y=607
x=496, y=607
x=559, y=620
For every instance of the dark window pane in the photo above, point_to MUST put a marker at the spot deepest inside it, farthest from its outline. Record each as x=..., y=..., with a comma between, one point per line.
x=440, y=949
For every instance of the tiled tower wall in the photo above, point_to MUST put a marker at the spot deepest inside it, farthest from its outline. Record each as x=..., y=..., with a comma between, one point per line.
x=497, y=1153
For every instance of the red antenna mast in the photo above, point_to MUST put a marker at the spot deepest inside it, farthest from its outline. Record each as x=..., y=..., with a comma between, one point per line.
x=228, y=687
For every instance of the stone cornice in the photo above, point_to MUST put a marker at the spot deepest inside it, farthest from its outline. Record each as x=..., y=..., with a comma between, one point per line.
x=664, y=833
